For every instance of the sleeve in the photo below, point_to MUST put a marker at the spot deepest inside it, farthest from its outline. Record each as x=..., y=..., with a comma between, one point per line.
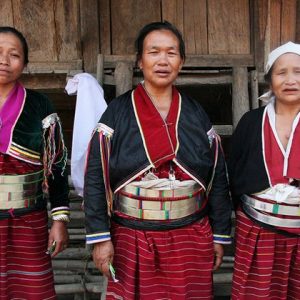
x=237, y=143
x=95, y=204
x=97, y=192
x=219, y=203
x=55, y=183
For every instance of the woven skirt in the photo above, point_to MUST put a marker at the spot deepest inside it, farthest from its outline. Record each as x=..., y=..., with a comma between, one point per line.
x=25, y=268
x=267, y=264
x=173, y=264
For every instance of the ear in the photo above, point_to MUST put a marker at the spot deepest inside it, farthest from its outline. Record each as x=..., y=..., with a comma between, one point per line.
x=140, y=64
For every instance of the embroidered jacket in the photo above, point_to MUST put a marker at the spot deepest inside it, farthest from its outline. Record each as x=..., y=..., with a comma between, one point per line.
x=35, y=137
x=118, y=156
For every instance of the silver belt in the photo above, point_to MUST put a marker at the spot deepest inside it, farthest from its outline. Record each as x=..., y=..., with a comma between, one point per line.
x=146, y=192
x=20, y=191
x=273, y=208
x=267, y=219
x=160, y=210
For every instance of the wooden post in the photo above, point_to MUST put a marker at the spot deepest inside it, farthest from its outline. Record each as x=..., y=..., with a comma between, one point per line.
x=100, y=68
x=123, y=77
x=254, y=89
x=240, y=95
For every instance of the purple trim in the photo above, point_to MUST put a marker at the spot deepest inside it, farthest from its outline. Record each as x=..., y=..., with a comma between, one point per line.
x=9, y=115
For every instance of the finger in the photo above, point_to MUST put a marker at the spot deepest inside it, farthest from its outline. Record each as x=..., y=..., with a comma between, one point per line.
x=218, y=262
x=105, y=269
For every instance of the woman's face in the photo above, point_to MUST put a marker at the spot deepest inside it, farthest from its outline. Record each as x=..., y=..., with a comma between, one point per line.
x=160, y=61
x=285, y=79
x=11, y=58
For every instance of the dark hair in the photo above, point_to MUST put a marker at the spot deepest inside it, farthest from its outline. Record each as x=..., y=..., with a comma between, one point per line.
x=268, y=76
x=158, y=26
x=20, y=36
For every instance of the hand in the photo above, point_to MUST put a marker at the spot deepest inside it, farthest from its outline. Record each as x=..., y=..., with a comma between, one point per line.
x=219, y=253
x=59, y=234
x=103, y=254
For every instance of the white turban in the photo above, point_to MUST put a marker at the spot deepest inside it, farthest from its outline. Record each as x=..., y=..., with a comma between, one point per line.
x=289, y=47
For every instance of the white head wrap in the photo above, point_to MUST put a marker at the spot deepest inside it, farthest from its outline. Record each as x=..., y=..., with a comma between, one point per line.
x=288, y=47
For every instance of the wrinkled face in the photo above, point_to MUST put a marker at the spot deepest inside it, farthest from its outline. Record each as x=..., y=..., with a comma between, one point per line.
x=160, y=61
x=285, y=79
x=11, y=58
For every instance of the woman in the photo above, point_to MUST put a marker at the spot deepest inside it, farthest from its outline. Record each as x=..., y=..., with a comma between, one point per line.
x=156, y=155
x=264, y=170
x=32, y=162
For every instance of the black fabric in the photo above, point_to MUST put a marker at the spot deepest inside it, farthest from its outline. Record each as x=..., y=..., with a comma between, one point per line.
x=128, y=158
x=28, y=133
x=247, y=173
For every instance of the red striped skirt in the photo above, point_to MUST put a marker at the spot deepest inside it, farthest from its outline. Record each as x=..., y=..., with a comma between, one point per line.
x=172, y=264
x=267, y=264
x=25, y=268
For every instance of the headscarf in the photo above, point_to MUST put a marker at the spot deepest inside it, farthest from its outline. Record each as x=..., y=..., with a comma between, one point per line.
x=288, y=47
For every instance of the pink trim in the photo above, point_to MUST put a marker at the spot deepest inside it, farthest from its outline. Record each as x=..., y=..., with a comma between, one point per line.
x=9, y=115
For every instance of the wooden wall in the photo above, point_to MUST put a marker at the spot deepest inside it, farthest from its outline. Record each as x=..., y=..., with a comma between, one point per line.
x=66, y=35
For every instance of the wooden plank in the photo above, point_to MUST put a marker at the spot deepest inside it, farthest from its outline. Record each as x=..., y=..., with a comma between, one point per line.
x=67, y=29
x=35, y=19
x=127, y=18
x=288, y=20
x=182, y=81
x=104, y=23
x=54, y=67
x=89, y=34
x=6, y=13
x=228, y=27
x=240, y=97
x=298, y=22
x=195, y=26
x=110, y=61
x=123, y=78
x=275, y=23
x=254, y=89
x=44, y=81
x=172, y=11
x=261, y=32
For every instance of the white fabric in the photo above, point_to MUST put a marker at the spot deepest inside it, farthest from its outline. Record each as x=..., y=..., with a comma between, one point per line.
x=90, y=105
x=289, y=47
x=282, y=193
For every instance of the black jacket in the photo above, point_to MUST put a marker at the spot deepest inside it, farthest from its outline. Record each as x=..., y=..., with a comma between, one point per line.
x=128, y=159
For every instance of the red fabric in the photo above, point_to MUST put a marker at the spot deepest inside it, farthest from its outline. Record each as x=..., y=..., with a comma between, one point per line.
x=267, y=264
x=154, y=130
x=275, y=158
x=12, y=166
x=171, y=264
x=294, y=167
x=273, y=155
x=25, y=268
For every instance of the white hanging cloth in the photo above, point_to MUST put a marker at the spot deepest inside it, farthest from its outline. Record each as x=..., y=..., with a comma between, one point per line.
x=90, y=105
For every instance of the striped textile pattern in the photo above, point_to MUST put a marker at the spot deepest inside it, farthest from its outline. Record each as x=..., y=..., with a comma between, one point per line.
x=267, y=264
x=25, y=268
x=171, y=264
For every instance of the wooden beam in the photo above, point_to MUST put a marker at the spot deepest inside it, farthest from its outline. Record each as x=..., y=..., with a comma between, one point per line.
x=90, y=36
x=205, y=61
x=53, y=67
x=123, y=78
x=240, y=96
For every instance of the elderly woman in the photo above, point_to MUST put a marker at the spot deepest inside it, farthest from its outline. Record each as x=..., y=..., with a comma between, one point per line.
x=156, y=193
x=32, y=161
x=264, y=170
